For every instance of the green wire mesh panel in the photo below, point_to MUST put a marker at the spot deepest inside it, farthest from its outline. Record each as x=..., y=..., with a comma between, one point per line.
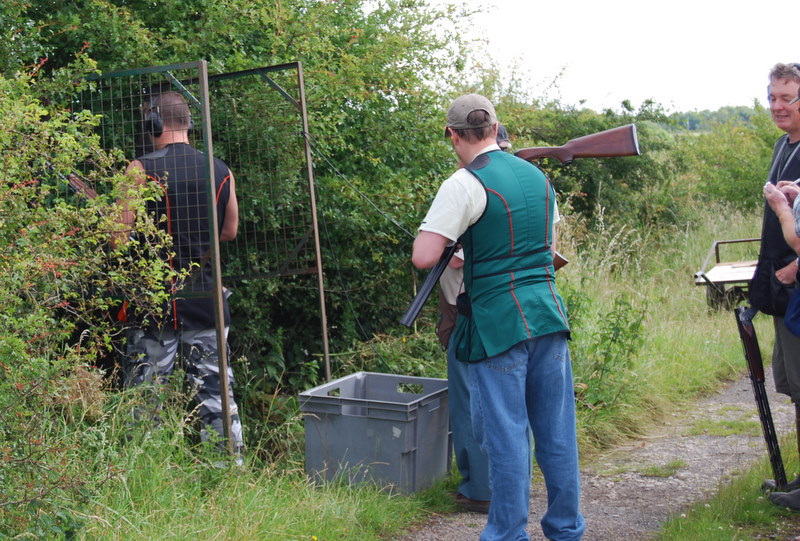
x=256, y=127
x=121, y=99
x=258, y=130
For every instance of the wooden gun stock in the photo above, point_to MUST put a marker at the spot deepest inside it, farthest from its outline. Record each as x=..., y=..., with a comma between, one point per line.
x=426, y=288
x=612, y=143
x=78, y=185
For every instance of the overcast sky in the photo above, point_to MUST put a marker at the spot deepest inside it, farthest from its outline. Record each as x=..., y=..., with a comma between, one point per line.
x=685, y=54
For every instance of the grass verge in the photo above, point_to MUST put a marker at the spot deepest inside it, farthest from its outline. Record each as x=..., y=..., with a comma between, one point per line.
x=739, y=511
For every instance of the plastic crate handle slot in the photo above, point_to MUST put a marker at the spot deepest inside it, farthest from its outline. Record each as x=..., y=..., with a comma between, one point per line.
x=410, y=388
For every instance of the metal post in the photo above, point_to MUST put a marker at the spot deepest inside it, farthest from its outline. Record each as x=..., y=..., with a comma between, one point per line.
x=216, y=293
x=320, y=280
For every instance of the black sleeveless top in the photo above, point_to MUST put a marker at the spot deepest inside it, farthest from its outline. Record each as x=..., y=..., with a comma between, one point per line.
x=183, y=212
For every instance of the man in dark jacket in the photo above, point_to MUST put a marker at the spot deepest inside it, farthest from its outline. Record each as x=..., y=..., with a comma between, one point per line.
x=777, y=263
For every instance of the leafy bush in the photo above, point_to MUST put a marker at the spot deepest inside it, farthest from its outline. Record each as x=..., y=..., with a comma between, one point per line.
x=417, y=354
x=605, y=355
x=373, y=74
x=730, y=162
x=62, y=280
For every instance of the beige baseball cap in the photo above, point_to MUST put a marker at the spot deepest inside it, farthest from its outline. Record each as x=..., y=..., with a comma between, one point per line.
x=462, y=106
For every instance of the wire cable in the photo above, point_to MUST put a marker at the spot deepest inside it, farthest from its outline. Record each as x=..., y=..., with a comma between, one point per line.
x=400, y=226
x=347, y=298
x=339, y=274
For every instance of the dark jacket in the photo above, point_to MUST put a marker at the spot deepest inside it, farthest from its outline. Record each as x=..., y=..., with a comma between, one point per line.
x=766, y=293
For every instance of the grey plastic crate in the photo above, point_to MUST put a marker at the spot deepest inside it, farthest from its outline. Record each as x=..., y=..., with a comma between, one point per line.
x=383, y=428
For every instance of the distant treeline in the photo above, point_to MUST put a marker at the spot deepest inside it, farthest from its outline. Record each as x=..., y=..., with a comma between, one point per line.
x=705, y=120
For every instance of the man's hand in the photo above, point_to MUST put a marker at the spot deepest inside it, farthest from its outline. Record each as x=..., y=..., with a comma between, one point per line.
x=457, y=261
x=789, y=189
x=775, y=198
x=787, y=274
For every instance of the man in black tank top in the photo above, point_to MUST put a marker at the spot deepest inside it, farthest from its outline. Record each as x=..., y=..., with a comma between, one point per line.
x=776, y=271
x=188, y=327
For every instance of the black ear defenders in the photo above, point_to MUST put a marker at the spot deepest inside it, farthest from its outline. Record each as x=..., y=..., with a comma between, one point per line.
x=153, y=123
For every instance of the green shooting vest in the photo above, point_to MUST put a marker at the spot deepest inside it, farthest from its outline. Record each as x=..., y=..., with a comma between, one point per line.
x=508, y=266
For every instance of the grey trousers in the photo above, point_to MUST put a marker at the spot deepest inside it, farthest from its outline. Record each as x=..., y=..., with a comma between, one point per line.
x=150, y=359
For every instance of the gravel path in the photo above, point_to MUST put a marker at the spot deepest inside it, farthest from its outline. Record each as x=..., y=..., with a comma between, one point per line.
x=621, y=504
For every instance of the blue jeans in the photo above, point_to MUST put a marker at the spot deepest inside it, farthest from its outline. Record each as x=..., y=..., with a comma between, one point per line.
x=471, y=460
x=530, y=385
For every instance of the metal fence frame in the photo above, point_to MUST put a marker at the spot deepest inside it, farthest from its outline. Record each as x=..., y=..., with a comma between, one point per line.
x=202, y=104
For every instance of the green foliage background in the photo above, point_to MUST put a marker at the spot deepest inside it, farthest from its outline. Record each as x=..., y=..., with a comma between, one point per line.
x=378, y=78
x=61, y=281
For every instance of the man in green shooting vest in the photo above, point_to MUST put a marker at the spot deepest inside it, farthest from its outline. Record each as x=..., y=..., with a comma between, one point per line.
x=512, y=326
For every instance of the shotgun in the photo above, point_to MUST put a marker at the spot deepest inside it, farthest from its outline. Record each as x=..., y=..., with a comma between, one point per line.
x=77, y=185
x=427, y=286
x=752, y=354
x=612, y=143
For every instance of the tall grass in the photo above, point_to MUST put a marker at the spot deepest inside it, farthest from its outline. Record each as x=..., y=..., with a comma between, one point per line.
x=739, y=511
x=682, y=348
x=165, y=496
x=165, y=487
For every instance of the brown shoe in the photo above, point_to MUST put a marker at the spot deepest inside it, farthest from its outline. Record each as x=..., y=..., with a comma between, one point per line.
x=473, y=506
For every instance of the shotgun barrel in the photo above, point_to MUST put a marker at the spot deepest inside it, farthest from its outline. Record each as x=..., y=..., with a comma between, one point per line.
x=433, y=276
x=427, y=286
x=755, y=365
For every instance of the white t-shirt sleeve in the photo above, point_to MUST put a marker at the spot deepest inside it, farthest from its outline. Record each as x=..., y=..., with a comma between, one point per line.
x=459, y=203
